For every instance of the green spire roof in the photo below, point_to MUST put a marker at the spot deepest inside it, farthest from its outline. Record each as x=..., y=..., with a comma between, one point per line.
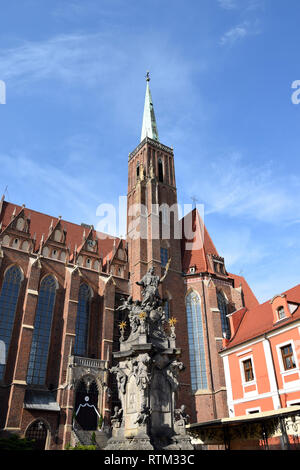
x=149, y=128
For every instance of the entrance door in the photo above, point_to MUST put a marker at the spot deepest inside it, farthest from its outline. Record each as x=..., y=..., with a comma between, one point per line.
x=86, y=406
x=37, y=432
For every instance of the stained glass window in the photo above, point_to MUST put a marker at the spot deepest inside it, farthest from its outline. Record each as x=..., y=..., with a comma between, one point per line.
x=196, y=342
x=38, y=358
x=82, y=320
x=8, y=304
x=222, y=305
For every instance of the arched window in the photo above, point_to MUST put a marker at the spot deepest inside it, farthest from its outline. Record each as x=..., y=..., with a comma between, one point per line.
x=82, y=320
x=8, y=304
x=222, y=305
x=138, y=169
x=196, y=342
x=160, y=170
x=38, y=358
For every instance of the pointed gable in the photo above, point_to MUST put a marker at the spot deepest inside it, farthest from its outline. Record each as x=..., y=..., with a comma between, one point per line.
x=197, y=247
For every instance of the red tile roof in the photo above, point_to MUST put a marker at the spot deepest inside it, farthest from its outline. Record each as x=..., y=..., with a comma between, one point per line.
x=40, y=224
x=192, y=222
x=250, y=300
x=259, y=319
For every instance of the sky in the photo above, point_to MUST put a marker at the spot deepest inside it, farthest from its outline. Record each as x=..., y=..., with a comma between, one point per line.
x=221, y=81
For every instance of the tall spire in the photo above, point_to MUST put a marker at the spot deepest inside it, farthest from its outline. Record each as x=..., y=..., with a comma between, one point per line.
x=149, y=128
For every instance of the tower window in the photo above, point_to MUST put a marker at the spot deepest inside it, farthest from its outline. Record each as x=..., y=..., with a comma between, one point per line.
x=160, y=170
x=222, y=306
x=163, y=256
x=166, y=308
x=138, y=169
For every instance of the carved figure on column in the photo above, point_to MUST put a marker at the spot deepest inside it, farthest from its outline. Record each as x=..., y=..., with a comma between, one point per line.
x=150, y=283
x=181, y=417
x=116, y=419
x=143, y=415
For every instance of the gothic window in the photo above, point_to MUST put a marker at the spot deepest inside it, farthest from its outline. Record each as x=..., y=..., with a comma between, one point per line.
x=138, y=170
x=160, y=170
x=222, y=305
x=196, y=342
x=166, y=308
x=82, y=321
x=38, y=358
x=163, y=256
x=8, y=304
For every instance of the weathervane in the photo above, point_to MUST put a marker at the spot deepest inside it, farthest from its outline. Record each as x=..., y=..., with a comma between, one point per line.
x=148, y=76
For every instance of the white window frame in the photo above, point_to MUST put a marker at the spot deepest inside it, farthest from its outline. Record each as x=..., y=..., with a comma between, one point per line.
x=244, y=382
x=279, y=354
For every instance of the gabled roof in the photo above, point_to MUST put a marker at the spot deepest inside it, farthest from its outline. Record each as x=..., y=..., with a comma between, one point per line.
x=40, y=224
x=250, y=300
x=196, y=244
x=260, y=319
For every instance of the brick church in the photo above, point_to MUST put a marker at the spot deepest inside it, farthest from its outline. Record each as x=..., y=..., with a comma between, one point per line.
x=61, y=284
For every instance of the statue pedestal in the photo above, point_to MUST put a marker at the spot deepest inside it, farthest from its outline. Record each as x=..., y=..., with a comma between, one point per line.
x=147, y=379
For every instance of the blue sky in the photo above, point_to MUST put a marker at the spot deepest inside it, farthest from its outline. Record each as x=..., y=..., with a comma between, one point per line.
x=221, y=76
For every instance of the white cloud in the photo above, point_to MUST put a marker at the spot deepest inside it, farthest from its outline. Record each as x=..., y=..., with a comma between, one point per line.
x=245, y=5
x=231, y=36
x=229, y=185
x=228, y=4
x=239, y=32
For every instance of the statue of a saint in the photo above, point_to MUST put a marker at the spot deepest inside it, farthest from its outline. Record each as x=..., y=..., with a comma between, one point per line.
x=150, y=283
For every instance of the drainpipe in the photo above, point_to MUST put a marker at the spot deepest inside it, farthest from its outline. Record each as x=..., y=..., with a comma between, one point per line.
x=209, y=355
x=273, y=369
x=284, y=439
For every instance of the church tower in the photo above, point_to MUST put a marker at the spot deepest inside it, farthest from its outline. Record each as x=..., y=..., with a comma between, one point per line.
x=153, y=231
x=152, y=205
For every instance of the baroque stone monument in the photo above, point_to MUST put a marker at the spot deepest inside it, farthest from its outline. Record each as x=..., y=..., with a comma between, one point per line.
x=147, y=377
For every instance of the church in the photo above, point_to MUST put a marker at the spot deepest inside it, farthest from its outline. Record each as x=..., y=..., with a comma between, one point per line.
x=60, y=288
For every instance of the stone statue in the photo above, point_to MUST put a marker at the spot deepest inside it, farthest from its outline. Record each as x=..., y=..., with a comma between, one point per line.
x=181, y=417
x=172, y=371
x=121, y=378
x=140, y=370
x=116, y=419
x=150, y=283
x=143, y=415
x=127, y=304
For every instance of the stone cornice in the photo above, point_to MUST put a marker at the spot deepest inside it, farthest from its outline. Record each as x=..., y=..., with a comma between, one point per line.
x=153, y=143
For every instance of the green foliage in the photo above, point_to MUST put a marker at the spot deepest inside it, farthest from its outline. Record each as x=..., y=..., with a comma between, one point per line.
x=80, y=447
x=93, y=438
x=100, y=421
x=15, y=442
